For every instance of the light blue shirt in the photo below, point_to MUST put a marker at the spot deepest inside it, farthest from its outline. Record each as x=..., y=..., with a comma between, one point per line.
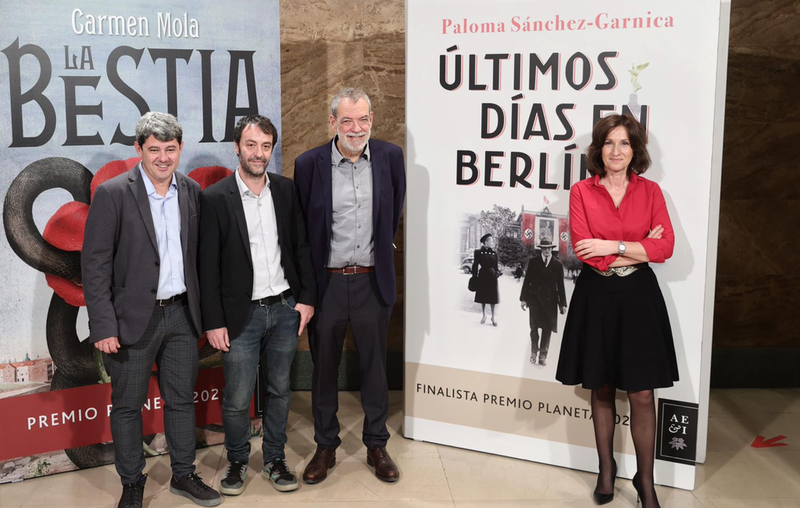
x=167, y=222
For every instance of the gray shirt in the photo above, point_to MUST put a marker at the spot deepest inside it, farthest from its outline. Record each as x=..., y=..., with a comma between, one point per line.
x=351, y=236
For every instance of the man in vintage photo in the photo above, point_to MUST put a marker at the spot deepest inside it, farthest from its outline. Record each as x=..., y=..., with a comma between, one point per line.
x=258, y=294
x=142, y=295
x=543, y=296
x=352, y=190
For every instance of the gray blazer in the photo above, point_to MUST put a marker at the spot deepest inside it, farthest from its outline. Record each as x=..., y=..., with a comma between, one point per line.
x=119, y=262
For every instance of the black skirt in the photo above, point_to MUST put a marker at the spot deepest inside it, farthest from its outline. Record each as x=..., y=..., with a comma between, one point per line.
x=617, y=332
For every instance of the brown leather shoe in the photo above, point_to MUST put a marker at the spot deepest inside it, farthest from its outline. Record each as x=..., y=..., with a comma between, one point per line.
x=385, y=468
x=317, y=468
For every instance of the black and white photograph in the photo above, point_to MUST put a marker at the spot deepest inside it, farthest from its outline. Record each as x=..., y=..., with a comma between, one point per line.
x=514, y=264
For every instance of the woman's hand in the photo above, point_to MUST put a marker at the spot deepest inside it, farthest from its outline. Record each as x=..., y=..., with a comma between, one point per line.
x=655, y=233
x=594, y=247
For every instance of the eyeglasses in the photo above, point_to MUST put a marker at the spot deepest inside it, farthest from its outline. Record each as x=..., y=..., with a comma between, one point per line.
x=348, y=123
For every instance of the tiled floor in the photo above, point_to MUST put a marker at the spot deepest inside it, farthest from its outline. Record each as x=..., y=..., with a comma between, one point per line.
x=734, y=475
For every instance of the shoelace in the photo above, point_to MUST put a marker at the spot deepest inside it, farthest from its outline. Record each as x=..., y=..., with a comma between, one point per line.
x=131, y=494
x=198, y=482
x=280, y=467
x=235, y=469
x=381, y=452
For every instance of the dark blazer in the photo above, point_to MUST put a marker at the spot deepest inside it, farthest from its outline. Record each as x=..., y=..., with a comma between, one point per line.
x=120, y=261
x=543, y=291
x=226, y=266
x=313, y=179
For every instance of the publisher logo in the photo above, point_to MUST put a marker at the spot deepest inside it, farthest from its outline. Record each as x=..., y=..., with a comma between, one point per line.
x=677, y=431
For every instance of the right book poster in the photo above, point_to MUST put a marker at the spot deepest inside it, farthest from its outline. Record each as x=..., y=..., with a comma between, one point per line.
x=501, y=101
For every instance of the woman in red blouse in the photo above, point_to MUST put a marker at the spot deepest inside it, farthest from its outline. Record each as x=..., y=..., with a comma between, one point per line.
x=617, y=334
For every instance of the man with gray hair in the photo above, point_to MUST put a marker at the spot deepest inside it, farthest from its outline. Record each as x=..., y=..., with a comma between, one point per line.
x=142, y=295
x=351, y=190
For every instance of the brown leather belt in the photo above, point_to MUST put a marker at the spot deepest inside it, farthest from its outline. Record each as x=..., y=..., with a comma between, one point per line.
x=351, y=270
x=269, y=300
x=171, y=300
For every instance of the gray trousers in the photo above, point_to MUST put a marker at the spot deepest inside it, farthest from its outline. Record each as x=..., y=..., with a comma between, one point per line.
x=171, y=342
x=352, y=298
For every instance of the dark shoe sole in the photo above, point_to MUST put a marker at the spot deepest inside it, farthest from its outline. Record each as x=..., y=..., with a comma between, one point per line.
x=387, y=479
x=201, y=502
x=313, y=481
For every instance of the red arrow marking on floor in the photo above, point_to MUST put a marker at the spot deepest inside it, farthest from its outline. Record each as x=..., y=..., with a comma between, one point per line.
x=760, y=442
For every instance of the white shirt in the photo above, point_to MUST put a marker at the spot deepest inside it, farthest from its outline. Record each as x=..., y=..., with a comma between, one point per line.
x=167, y=224
x=262, y=231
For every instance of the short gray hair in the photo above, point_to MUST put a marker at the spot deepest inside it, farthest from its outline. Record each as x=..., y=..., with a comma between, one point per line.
x=163, y=126
x=351, y=94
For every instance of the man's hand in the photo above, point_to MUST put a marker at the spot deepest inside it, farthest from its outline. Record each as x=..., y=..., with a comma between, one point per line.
x=562, y=309
x=655, y=233
x=306, y=313
x=523, y=305
x=109, y=345
x=218, y=337
x=594, y=247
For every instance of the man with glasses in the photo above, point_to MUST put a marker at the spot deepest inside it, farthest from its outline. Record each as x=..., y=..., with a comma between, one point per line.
x=351, y=190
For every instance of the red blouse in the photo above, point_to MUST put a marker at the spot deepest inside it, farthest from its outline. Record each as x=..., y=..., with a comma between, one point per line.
x=592, y=214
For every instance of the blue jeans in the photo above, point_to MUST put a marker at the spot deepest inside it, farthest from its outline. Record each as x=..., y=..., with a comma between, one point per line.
x=270, y=334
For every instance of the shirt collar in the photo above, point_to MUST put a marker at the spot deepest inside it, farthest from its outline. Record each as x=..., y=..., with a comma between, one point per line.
x=243, y=188
x=632, y=178
x=148, y=184
x=337, y=157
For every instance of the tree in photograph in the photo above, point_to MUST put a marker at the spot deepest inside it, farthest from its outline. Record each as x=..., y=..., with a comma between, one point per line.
x=572, y=264
x=511, y=252
x=496, y=220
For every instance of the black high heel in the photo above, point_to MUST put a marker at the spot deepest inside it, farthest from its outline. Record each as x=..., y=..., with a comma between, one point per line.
x=599, y=497
x=639, y=495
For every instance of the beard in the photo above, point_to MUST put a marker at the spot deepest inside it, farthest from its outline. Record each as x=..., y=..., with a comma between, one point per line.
x=354, y=142
x=253, y=170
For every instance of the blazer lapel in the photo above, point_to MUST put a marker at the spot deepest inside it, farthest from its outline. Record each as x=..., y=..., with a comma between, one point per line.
x=183, y=205
x=324, y=173
x=278, y=205
x=238, y=213
x=136, y=185
x=377, y=174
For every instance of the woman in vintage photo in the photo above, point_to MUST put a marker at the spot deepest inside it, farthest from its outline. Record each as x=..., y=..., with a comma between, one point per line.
x=617, y=334
x=486, y=270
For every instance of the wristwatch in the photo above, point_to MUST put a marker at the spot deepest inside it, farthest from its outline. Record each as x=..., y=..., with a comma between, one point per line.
x=621, y=248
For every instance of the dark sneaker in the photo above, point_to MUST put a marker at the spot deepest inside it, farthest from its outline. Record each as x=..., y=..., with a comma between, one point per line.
x=232, y=483
x=192, y=487
x=277, y=472
x=132, y=494
x=542, y=360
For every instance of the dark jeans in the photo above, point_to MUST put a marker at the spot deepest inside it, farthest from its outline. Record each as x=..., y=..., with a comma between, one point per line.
x=352, y=298
x=171, y=342
x=269, y=335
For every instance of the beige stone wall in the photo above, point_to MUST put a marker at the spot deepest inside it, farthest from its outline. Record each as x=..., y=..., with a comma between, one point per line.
x=330, y=44
x=758, y=273
x=326, y=45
